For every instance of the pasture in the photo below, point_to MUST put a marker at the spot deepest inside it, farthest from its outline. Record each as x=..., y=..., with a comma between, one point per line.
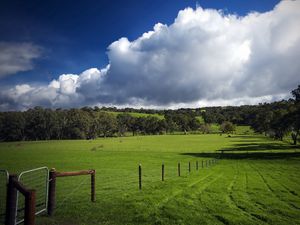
x=256, y=182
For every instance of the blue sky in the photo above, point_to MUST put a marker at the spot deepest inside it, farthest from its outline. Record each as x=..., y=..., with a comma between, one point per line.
x=69, y=37
x=76, y=34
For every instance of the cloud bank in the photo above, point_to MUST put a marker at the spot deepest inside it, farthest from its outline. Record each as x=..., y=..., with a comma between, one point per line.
x=17, y=57
x=205, y=57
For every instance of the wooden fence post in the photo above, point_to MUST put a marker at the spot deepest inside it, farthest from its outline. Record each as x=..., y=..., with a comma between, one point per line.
x=178, y=168
x=30, y=200
x=93, y=180
x=189, y=167
x=197, y=166
x=51, y=191
x=162, y=172
x=140, y=177
x=11, y=200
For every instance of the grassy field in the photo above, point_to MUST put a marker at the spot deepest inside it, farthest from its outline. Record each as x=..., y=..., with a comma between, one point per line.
x=134, y=114
x=256, y=182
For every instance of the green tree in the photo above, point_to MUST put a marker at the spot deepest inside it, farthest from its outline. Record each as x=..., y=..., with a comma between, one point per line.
x=279, y=123
x=40, y=123
x=205, y=128
x=107, y=124
x=227, y=127
x=295, y=115
x=77, y=124
x=125, y=123
x=12, y=126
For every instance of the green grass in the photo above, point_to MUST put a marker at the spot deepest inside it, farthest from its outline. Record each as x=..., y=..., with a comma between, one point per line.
x=134, y=114
x=245, y=130
x=261, y=188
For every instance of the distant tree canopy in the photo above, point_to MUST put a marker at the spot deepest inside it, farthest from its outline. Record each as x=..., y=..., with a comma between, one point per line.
x=88, y=123
x=275, y=119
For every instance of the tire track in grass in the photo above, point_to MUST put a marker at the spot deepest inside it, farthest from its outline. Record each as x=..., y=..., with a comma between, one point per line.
x=249, y=195
x=272, y=190
x=188, y=186
x=255, y=217
x=217, y=217
x=281, y=184
x=259, y=205
x=286, y=189
x=233, y=205
x=203, y=187
x=281, y=168
x=227, y=199
x=176, y=193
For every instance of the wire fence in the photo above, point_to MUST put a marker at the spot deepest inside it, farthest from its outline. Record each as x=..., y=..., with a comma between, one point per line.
x=71, y=190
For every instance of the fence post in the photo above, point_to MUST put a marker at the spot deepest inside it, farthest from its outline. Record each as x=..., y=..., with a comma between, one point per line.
x=197, y=166
x=178, y=168
x=93, y=180
x=140, y=177
x=162, y=172
x=189, y=167
x=30, y=200
x=51, y=192
x=11, y=200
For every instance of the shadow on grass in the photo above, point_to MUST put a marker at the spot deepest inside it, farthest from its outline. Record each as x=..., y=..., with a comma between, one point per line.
x=252, y=150
x=245, y=136
x=260, y=147
x=246, y=155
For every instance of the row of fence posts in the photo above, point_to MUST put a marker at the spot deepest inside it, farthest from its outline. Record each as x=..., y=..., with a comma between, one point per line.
x=208, y=163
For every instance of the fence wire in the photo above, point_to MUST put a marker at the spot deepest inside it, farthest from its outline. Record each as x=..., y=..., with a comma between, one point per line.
x=78, y=188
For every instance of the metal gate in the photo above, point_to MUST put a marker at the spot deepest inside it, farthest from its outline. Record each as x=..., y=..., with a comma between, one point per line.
x=3, y=185
x=34, y=179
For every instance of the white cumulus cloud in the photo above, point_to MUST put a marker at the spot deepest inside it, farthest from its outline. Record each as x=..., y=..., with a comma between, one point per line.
x=205, y=57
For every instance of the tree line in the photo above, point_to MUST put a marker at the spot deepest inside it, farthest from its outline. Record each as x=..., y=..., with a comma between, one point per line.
x=275, y=119
x=87, y=123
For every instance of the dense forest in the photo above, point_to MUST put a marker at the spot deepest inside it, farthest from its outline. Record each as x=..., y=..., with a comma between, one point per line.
x=275, y=119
